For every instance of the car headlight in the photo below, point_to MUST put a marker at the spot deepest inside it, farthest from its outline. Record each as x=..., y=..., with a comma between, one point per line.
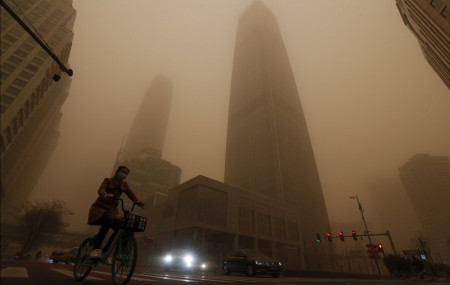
x=259, y=262
x=279, y=263
x=168, y=258
x=188, y=259
x=203, y=266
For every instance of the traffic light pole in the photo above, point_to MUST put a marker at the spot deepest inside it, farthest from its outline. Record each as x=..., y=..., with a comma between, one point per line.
x=368, y=233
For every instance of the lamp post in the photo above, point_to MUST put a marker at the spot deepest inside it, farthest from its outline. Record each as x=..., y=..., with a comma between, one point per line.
x=367, y=231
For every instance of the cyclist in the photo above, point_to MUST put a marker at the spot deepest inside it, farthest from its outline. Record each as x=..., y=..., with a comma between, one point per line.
x=104, y=210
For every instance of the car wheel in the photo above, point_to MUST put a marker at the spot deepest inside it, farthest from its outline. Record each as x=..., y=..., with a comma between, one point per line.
x=226, y=270
x=67, y=261
x=276, y=275
x=250, y=271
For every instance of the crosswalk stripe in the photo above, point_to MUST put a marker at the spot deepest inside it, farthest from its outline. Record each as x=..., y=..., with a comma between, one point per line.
x=14, y=272
x=195, y=278
x=70, y=274
x=132, y=277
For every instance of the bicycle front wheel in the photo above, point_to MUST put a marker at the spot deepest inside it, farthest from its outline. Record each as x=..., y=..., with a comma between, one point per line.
x=81, y=266
x=124, y=259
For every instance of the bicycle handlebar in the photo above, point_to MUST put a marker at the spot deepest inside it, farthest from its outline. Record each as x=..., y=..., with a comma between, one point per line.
x=123, y=209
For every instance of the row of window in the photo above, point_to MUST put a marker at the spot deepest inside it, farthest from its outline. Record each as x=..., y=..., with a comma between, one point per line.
x=445, y=12
x=24, y=113
x=265, y=225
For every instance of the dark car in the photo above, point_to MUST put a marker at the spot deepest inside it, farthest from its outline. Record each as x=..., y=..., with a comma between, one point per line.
x=251, y=262
x=66, y=255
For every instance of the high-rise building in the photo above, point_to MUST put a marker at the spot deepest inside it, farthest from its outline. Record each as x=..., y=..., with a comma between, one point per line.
x=150, y=124
x=429, y=21
x=427, y=182
x=268, y=149
x=142, y=152
x=30, y=99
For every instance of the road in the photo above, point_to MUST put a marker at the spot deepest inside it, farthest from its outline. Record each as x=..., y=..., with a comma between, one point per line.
x=33, y=273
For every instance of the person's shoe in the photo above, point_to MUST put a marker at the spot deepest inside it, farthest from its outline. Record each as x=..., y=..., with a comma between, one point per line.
x=95, y=253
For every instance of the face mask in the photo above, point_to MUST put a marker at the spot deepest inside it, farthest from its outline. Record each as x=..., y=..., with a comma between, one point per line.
x=121, y=176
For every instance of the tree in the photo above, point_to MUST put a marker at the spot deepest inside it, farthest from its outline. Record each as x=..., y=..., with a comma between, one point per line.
x=38, y=219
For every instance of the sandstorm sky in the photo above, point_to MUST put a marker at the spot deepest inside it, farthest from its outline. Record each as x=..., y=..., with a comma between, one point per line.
x=370, y=99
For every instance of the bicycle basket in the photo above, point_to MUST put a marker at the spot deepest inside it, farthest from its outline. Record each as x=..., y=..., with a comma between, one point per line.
x=133, y=223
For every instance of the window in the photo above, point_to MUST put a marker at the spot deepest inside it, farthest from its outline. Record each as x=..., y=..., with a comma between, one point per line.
x=26, y=75
x=31, y=67
x=14, y=126
x=20, y=82
x=20, y=53
x=14, y=59
x=27, y=109
x=8, y=67
x=434, y=3
x=8, y=135
x=6, y=99
x=2, y=144
x=13, y=90
x=445, y=12
x=21, y=118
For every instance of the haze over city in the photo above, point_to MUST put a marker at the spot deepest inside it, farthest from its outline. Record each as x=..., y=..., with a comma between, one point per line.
x=370, y=99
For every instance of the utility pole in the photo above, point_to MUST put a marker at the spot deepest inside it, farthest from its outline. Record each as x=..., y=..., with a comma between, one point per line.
x=368, y=233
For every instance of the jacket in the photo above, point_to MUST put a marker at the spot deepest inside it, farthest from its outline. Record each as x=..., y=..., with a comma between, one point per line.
x=110, y=205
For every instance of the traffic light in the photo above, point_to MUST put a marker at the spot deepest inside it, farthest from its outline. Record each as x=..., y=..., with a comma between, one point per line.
x=354, y=235
x=318, y=239
x=341, y=236
x=380, y=248
x=329, y=237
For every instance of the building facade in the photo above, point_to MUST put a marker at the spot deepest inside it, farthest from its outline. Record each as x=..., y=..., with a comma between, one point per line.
x=427, y=182
x=268, y=150
x=429, y=21
x=212, y=219
x=30, y=99
x=143, y=149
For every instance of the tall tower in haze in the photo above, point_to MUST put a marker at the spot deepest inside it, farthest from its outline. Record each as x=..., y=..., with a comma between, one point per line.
x=30, y=100
x=427, y=182
x=148, y=131
x=268, y=149
x=143, y=149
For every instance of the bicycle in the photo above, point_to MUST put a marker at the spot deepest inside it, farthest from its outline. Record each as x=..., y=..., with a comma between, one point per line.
x=123, y=250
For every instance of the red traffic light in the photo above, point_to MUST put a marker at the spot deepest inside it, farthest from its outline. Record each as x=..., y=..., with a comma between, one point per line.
x=354, y=235
x=329, y=237
x=380, y=247
x=341, y=236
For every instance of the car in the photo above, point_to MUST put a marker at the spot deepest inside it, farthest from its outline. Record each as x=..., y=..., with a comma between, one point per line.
x=66, y=255
x=179, y=259
x=251, y=262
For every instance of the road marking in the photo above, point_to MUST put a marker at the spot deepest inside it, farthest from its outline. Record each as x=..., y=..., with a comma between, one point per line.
x=70, y=274
x=132, y=277
x=169, y=277
x=20, y=272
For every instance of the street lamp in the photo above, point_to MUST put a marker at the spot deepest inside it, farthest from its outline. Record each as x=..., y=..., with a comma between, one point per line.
x=367, y=231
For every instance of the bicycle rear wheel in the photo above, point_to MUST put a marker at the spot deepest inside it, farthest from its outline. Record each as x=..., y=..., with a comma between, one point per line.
x=124, y=259
x=81, y=267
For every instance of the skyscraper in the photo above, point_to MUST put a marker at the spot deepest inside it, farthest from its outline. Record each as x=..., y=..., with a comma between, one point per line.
x=143, y=148
x=30, y=99
x=268, y=147
x=150, y=124
x=429, y=21
x=427, y=182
